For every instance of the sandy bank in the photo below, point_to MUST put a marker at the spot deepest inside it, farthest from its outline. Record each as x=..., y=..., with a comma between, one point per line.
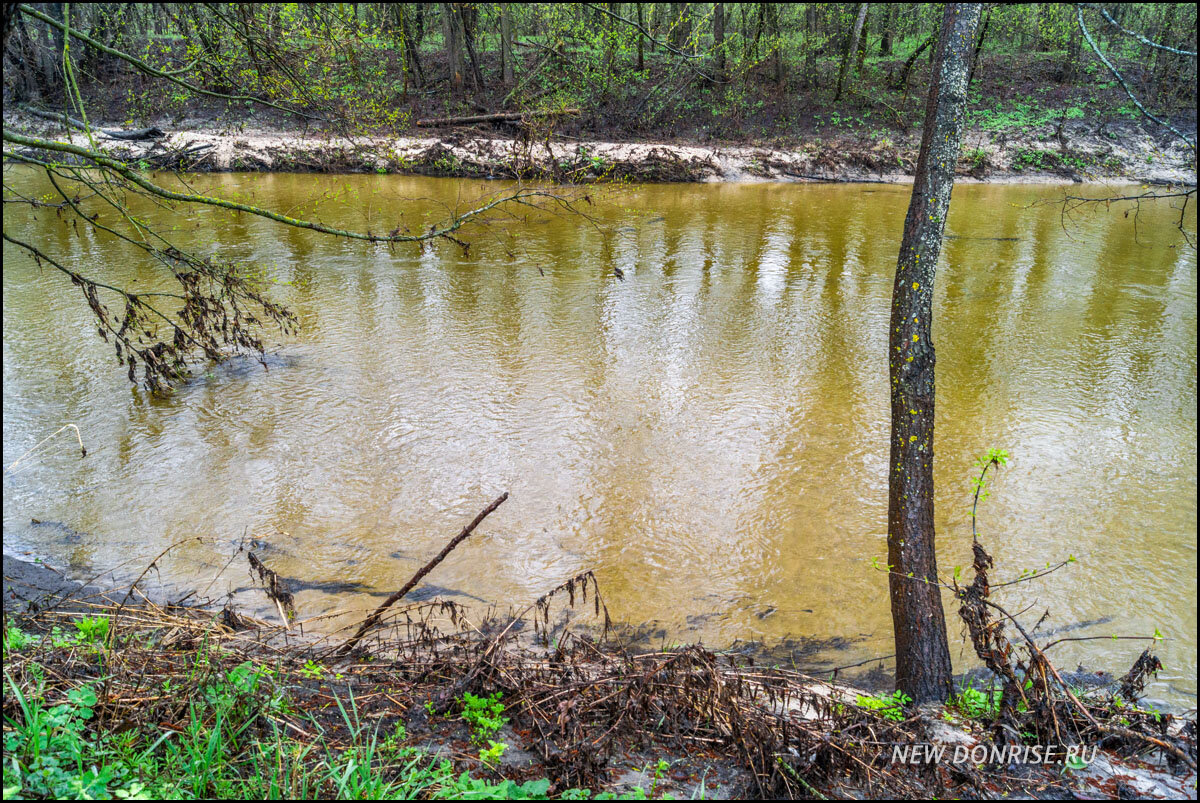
x=1116, y=152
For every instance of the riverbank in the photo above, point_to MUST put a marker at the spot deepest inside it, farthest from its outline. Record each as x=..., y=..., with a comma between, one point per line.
x=435, y=706
x=1072, y=152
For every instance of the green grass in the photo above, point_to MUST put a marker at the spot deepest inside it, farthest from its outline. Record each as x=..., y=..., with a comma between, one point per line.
x=1021, y=116
x=229, y=741
x=1035, y=159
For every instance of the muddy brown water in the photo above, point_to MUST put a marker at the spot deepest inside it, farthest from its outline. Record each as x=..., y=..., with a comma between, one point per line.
x=709, y=434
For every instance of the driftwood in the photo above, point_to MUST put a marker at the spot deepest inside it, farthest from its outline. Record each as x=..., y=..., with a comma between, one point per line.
x=373, y=619
x=152, y=132
x=498, y=117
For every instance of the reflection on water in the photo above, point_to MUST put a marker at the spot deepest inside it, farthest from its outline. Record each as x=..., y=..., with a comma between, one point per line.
x=709, y=434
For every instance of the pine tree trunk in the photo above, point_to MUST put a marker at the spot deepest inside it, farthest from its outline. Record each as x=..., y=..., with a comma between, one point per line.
x=922, y=651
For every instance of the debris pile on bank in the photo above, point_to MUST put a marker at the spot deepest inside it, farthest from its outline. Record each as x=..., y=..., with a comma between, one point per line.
x=585, y=712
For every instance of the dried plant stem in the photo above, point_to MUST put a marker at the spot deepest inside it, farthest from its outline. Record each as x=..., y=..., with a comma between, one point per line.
x=373, y=619
x=78, y=437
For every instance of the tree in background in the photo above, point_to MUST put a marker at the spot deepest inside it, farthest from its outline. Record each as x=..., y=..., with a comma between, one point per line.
x=215, y=307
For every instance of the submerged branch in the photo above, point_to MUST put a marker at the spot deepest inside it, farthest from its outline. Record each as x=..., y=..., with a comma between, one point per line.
x=373, y=619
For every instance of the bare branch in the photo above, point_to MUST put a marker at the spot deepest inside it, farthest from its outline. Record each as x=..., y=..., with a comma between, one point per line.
x=1191, y=143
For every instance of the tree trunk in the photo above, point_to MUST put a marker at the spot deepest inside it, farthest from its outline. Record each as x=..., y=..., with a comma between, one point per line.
x=719, y=38
x=10, y=21
x=51, y=56
x=506, y=48
x=922, y=652
x=641, y=39
x=681, y=24
x=778, y=42
x=885, y=41
x=758, y=29
x=1074, y=43
x=851, y=46
x=810, y=48
x=454, y=55
x=467, y=14
x=979, y=47
x=861, y=57
x=412, y=56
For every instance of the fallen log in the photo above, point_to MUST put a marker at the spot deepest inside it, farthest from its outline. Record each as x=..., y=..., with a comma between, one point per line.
x=151, y=132
x=498, y=117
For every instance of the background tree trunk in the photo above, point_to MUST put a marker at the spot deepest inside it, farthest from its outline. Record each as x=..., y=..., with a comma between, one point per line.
x=412, y=42
x=467, y=15
x=885, y=41
x=919, y=624
x=861, y=57
x=719, y=38
x=454, y=56
x=810, y=45
x=776, y=35
x=979, y=47
x=506, y=48
x=902, y=81
x=851, y=46
x=681, y=24
x=641, y=39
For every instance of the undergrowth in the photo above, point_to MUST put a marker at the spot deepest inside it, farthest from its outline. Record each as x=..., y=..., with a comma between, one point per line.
x=234, y=738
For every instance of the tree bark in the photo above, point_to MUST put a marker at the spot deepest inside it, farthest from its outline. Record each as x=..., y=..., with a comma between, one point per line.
x=979, y=47
x=777, y=58
x=851, y=46
x=412, y=57
x=885, y=41
x=719, y=38
x=506, y=49
x=10, y=21
x=861, y=57
x=467, y=13
x=641, y=39
x=451, y=27
x=922, y=652
x=681, y=24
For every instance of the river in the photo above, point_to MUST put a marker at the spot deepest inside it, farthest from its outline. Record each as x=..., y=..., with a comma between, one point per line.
x=709, y=434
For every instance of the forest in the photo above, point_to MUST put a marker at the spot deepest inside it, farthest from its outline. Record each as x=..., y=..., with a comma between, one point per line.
x=618, y=319
x=847, y=76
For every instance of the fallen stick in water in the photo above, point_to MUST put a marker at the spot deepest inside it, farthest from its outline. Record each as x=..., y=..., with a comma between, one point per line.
x=276, y=589
x=373, y=619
